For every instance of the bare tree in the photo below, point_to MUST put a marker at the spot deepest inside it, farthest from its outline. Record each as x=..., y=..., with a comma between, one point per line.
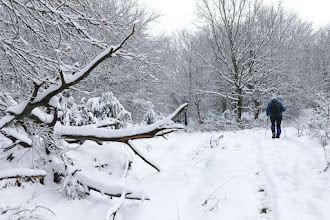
x=322, y=57
x=244, y=37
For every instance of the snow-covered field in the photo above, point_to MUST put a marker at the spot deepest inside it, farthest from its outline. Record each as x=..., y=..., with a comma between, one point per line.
x=243, y=175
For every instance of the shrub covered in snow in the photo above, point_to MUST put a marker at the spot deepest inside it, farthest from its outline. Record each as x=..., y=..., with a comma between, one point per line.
x=150, y=116
x=226, y=121
x=319, y=124
x=105, y=110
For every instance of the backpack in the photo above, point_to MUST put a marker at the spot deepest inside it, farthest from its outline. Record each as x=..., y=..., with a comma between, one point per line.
x=275, y=108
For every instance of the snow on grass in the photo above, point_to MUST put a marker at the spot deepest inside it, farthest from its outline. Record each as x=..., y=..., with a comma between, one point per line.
x=192, y=171
x=293, y=167
x=101, y=161
x=218, y=175
x=244, y=176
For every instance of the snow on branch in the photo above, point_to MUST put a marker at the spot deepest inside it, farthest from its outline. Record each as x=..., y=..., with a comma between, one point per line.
x=217, y=93
x=114, y=209
x=42, y=117
x=6, y=120
x=106, y=189
x=42, y=98
x=16, y=138
x=91, y=132
x=23, y=173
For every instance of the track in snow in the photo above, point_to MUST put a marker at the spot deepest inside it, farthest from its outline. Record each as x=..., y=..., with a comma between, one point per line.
x=249, y=176
x=296, y=188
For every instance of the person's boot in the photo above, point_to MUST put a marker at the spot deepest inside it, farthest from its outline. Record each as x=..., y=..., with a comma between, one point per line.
x=278, y=133
x=273, y=132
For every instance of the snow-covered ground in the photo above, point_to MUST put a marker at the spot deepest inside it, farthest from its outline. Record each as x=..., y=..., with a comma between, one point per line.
x=243, y=175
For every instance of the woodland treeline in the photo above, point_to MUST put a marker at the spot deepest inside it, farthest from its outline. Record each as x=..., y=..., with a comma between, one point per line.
x=240, y=53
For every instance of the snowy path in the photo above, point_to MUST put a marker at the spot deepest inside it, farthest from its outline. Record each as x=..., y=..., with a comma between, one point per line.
x=242, y=175
x=292, y=169
x=239, y=175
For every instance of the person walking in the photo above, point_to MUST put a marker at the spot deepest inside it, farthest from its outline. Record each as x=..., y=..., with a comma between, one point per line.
x=274, y=110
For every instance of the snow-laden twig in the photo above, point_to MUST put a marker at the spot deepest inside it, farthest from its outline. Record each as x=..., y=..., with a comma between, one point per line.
x=34, y=209
x=217, y=93
x=140, y=154
x=209, y=197
x=127, y=165
x=114, y=209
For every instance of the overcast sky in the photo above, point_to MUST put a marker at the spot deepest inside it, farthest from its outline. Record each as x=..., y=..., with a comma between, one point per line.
x=180, y=13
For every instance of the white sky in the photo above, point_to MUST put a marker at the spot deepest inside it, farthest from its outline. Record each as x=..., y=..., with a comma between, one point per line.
x=177, y=13
x=180, y=13
x=316, y=11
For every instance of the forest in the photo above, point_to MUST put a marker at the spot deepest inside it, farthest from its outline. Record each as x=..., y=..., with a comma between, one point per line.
x=89, y=94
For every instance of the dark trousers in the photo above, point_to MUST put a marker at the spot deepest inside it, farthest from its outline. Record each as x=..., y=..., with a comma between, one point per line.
x=276, y=120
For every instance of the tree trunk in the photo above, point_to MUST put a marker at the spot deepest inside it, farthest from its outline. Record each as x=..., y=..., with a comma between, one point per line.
x=239, y=104
x=197, y=103
x=257, y=111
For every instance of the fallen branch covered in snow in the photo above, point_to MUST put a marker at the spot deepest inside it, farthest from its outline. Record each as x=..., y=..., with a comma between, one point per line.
x=24, y=173
x=91, y=132
x=107, y=189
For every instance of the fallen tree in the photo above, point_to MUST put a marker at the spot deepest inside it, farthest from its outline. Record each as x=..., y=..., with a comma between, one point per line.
x=44, y=101
x=31, y=123
x=92, y=132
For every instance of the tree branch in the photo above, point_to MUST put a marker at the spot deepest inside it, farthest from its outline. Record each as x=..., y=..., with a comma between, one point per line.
x=25, y=173
x=106, y=189
x=134, y=148
x=115, y=208
x=38, y=99
x=90, y=132
x=16, y=138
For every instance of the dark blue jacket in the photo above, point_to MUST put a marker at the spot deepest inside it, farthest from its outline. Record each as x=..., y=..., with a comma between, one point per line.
x=268, y=107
